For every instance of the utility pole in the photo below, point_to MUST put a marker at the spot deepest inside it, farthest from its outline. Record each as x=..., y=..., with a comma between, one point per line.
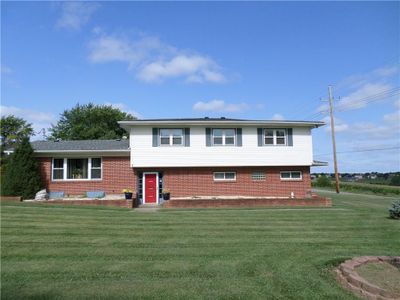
x=333, y=138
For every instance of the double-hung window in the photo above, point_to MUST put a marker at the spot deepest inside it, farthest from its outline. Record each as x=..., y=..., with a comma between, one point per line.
x=58, y=168
x=291, y=175
x=224, y=137
x=171, y=137
x=275, y=137
x=77, y=168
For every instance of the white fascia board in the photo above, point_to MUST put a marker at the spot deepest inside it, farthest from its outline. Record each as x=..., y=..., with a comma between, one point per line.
x=75, y=153
x=128, y=124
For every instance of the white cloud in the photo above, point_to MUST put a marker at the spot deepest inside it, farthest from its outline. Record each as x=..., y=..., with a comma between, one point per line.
x=278, y=117
x=195, y=68
x=380, y=74
x=219, y=106
x=107, y=48
x=152, y=60
x=124, y=108
x=75, y=14
x=361, y=97
x=340, y=125
x=38, y=119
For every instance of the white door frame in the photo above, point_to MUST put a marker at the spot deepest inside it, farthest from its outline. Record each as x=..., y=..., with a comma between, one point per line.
x=144, y=186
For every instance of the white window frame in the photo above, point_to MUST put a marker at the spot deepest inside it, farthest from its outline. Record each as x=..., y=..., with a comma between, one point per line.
x=171, y=137
x=224, y=137
x=52, y=169
x=291, y=175
x=65, y=169
x=224, y=179
x=258, y=176
x=275, y=137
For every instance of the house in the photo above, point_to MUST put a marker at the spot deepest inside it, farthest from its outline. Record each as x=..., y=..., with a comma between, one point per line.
x=202, y=157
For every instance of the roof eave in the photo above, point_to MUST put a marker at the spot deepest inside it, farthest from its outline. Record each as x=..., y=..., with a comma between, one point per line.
x=315, y=124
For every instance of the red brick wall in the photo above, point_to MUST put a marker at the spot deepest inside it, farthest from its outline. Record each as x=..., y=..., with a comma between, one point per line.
x=117, y=175
x=184, y=182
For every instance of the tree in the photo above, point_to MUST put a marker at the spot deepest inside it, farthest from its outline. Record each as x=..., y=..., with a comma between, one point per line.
x=90, y=121
x=13, y=130
x=21, y=174
x=323, y=181
x=395, y=180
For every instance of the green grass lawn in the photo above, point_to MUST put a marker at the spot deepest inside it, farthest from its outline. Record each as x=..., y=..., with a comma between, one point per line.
x=55, y=252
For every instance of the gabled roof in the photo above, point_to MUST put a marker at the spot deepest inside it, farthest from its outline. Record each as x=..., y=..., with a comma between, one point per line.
x=219, y=121
x=81, y=145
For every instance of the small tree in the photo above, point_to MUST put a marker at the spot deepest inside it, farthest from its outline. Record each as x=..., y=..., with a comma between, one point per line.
x=394, y=211
x=12, y=131
x=21, y=174
x=395, y=180
x=323, y=181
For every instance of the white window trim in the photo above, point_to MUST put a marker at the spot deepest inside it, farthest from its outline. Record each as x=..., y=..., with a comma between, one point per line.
x=65, y=172
x=223, y=137
x=52, y=169
x=274, y=137
x=224, y=179
x=171, y=137
x=292, y=179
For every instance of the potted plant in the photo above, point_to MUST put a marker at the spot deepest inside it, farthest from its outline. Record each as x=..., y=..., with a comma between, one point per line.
x=166, y=194
x=77, y=174
x=128, y=193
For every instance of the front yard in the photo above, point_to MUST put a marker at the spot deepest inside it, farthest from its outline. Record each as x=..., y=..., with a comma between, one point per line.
x=54, y=252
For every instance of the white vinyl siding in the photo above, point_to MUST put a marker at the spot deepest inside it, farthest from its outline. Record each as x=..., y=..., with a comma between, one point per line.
x=143, y=154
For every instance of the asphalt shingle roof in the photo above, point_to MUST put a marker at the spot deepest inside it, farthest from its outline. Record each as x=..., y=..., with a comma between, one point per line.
x=82, y=145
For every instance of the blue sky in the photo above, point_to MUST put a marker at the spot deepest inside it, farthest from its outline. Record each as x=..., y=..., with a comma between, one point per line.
x=256, y=60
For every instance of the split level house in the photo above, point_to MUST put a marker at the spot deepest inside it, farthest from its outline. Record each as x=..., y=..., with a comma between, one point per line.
x=204, y=157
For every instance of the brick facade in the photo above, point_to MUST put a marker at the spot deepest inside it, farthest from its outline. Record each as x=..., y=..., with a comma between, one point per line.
x=185, y=182
x=117, y=175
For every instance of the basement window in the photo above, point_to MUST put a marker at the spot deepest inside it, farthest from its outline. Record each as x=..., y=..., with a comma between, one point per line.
x=291, y=175
x=224, y=176
x=258, y=176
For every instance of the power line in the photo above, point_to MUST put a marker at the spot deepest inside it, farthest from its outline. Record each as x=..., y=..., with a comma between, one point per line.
x=363, y=150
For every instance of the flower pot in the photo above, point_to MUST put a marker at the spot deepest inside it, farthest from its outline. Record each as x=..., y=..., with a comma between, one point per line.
x=166, y=196
x=128, y=196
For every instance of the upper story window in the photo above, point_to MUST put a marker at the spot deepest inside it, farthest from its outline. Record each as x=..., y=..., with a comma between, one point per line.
x=275, y=137
x=76, y=168
x=224, y=137
x=171, y=137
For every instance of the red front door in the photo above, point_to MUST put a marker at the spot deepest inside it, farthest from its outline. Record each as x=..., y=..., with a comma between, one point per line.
x=150, y=181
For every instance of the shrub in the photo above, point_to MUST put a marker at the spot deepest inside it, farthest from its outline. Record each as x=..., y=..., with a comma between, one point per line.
x=21, y=173
x=394, y=211
x=323, y=181
x=395, y=180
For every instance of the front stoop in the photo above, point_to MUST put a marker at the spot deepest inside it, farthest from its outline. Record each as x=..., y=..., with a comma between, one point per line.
x=147, y=208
